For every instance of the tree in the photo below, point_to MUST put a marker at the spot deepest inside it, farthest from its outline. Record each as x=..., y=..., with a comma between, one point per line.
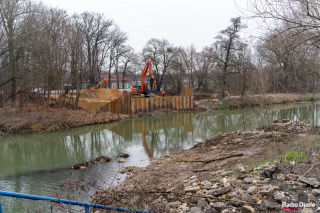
x=226, y=50
x=301, y=18
x=98, y=36
x=12, y=16
x=161, y=53
x=189, y=59
x=204, y=67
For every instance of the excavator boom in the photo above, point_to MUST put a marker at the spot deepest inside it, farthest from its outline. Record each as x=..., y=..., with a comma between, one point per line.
x=143, y=88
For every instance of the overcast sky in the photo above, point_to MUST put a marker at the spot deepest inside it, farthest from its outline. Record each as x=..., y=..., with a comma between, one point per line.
x=181, y=22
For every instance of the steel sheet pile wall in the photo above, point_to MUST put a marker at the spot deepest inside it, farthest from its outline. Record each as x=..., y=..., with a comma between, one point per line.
x=127, y=105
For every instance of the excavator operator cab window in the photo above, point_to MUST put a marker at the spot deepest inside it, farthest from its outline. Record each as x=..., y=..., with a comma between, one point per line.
x=148, y=87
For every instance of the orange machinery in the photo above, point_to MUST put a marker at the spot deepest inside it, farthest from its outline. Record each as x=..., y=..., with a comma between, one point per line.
x=144, y=88
x=99, y=83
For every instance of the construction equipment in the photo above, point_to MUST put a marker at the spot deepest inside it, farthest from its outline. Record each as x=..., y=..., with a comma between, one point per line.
x=104, y=82
x=145, y=89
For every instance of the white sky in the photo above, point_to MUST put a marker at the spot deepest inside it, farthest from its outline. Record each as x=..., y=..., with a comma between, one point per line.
x=181, y=22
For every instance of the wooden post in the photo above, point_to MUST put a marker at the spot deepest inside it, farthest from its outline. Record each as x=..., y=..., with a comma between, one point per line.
x=133, y=105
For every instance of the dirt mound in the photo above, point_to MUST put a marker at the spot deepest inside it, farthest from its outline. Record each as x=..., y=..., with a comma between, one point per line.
x=95, y=99
x=106, y=94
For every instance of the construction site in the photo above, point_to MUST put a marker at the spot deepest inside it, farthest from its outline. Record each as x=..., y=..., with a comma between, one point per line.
x=112, y=100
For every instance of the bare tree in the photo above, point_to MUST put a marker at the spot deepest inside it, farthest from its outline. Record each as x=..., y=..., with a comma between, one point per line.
x=98, y=35
x=226, y=47
x=118, y=39
x=161, y=53
x=12, y=16
x=189, y=60
x=298, y=17
x=204, y=67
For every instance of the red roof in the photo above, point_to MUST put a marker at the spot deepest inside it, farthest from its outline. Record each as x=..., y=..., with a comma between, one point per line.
x=113, y=77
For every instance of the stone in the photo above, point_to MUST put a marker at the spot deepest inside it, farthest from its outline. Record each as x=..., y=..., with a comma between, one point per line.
x=210, y=210
x=252, y=190
x=191, y=189
x=310, y=181
x=292, y=177
x=221, y=191
x=247, y=180
x=225, y=211
x=219, y=206
x=269, y=204
x=268, y=173
x=281, y=177
x=225, y=173
x=121, y=160
x=247, y=209
x=202, y=203
x=173, y=204
x=83, y=167
x=206, y=187
x=235, y=201
x=307, y=210
x=206, y=183
x=316, y=192
x=224, y=180
x=298, y=183
x=266, y=190
x=195, y=210
x=279, y=196
x=289, y=182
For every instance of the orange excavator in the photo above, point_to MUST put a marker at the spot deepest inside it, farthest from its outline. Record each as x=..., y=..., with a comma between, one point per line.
x=144, y=88
x=99, y=84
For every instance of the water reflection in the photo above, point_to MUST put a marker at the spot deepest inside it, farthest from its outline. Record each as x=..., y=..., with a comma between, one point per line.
x=32, y=162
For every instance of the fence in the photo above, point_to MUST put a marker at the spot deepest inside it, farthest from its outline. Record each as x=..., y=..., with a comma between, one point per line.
x=127, y=105
x=70, y=202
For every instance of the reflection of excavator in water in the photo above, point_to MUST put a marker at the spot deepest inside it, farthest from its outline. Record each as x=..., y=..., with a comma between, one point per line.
x=104, y=82
x=150, y=152
x=145, y=89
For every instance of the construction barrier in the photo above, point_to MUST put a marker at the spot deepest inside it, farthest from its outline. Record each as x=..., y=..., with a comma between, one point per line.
x=128, y=105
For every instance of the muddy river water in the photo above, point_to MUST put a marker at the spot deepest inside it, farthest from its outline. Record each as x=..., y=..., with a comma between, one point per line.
x=40, y=164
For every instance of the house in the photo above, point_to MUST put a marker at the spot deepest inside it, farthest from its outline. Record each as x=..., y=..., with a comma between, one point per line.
x=114, y=82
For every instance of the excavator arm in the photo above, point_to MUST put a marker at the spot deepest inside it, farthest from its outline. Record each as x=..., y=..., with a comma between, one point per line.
x=99, y=83
x=143, y=76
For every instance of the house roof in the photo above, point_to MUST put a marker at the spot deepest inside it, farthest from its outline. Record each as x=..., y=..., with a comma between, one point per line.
x=114, y=77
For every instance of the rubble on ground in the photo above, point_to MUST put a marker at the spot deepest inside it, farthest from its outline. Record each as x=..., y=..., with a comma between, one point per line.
x=198, y=180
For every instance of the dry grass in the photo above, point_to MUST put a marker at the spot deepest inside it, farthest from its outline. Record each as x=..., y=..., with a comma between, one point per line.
x=261, y=100
x=46, y=119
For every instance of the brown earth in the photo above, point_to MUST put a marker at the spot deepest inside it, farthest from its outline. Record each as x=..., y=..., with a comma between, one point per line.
x=95, y=99
x=165, y=177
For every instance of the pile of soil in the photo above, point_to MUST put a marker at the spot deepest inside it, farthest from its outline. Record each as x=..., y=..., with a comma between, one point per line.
x=95, y=99
x=164, y=181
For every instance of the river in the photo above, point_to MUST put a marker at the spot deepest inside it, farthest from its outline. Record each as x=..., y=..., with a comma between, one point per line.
x=40, y=164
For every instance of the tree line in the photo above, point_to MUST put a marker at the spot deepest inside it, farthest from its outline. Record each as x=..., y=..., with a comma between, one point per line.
x=45, y=49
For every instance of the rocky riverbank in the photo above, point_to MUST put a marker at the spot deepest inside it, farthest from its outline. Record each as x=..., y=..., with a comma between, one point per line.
x=233, y=172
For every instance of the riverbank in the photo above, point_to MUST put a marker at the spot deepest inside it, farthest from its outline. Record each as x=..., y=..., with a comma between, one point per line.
x=48, y=118
x=232, y=172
